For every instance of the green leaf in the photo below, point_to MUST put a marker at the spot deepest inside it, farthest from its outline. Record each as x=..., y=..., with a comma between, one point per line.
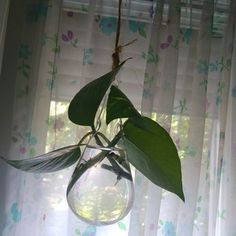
x=76, y=40
x=119, y=106
x=121, y=225
x=97, y=18
x=77, y=231
x=49, y=162
x=154, y=154
x=26, y=66
x=25, y=73
x=142, y=32
x=83, y=107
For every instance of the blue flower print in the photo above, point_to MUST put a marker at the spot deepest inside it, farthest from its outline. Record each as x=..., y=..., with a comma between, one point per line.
x=24, y=52
x=234, y=91
x=146, y=93
x=202, y=66
x=136, y=26
x=15, y=213
x=168, y=229
x=88, y=55
x=30, y=139
x=40, y=9
x=108, y=25
x=187, y=35
x=50, y=84
x=89, y=231
x=122, y=225
x=213, y=66
x=37, y=10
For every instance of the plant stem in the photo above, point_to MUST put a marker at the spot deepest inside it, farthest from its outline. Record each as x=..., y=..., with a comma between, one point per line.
x=104, y=137
x=84, y=137
x=97, y=139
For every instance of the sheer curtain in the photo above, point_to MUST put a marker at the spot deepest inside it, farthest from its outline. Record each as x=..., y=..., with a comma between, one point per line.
x=182, y=74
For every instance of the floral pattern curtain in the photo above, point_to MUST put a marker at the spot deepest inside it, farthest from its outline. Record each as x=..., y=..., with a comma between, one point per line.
x=182, y=74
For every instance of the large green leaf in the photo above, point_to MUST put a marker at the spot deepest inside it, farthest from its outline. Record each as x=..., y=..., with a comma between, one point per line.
x=83, y=107
x=154, y=154
x=49, y=162
x=119, y=106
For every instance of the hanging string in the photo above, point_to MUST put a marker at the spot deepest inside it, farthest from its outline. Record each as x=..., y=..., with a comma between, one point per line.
x=118, y=48
x=117, y=51
x=118, y=25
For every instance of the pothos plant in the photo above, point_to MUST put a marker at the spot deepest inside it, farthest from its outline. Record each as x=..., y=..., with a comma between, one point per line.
x=149, y=147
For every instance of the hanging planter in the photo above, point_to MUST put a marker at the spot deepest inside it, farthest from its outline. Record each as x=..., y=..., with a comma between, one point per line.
x=142, y=142
x=101, y=188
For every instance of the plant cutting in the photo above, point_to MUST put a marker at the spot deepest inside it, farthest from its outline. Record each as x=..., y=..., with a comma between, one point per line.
x=100, y=190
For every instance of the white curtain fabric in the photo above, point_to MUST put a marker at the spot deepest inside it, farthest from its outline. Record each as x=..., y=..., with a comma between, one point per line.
x=182, y=74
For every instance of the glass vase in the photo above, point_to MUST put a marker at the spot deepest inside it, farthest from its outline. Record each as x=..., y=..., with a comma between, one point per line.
x=103, y=193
